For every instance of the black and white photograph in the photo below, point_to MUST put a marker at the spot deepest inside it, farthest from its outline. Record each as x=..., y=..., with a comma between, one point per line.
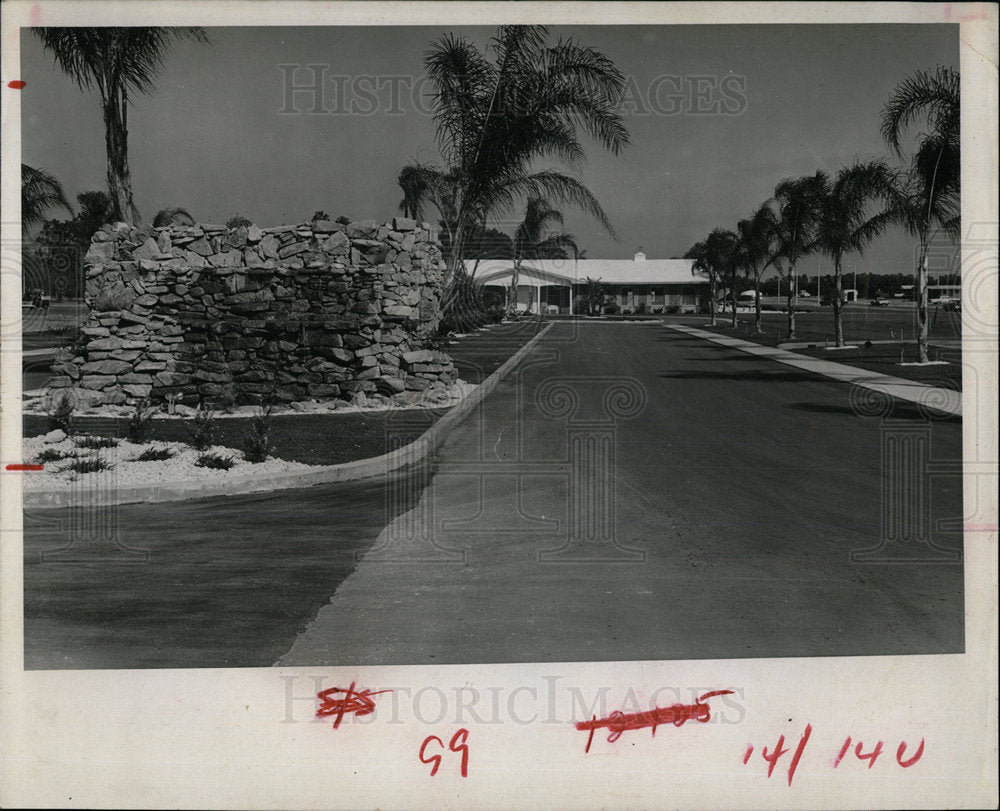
x=408, y=343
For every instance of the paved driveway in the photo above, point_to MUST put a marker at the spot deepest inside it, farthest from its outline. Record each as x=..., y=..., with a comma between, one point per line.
x=740, y=491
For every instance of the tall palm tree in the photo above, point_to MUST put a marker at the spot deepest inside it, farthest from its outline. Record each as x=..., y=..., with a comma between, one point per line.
x=754, y=249
x=798, y=204
x=845, y=224
x=926, y=197
x=499, y=113
x=116, y=61
x=534, y=239
x=40, y=191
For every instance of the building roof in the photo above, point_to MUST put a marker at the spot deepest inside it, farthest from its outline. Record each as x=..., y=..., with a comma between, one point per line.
x=609, y=271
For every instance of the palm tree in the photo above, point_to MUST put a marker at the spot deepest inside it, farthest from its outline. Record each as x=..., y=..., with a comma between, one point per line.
x=754, y=249
x=844, y=225
x=798, y=203
x=721, y=253
x=499, y=113
x=40, y=191
x=117, y=61
x=702, y=266
x=534, y=239
x=926, y=198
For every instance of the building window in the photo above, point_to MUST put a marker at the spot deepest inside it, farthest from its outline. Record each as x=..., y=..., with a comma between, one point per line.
x=657, y=295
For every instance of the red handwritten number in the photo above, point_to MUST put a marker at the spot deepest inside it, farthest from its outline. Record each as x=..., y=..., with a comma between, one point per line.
x=772, y=759
x=872, y=756
x=458, y=743
x=357, y=703
x=843, y=751
x=907, y=763
x=435, y=759
x=463, y=747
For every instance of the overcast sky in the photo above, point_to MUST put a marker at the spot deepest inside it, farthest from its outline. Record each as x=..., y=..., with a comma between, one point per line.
x=220, y=135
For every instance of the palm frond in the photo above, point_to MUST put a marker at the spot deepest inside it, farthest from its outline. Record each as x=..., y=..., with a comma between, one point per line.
x=40, y=191
x=937, y=94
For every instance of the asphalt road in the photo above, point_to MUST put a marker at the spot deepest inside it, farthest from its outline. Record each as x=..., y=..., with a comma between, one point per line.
x=743, y=486
x=740, y=490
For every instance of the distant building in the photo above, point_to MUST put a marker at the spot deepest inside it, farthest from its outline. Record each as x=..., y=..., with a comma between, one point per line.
x=554, y=285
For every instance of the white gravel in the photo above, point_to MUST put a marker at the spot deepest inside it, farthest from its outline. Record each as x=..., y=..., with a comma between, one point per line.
x=126, y=470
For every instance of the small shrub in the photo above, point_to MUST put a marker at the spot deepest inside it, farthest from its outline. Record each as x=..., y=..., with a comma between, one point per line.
x=88, y=464
x=51, y=455
x=96, y=442
x=610, y=308
x=61, y=414
x=257, y=441
x=673, y=309
x=238, y=220
x=203, y=429
x=342, y=220
x=216, y=461
x=155, y=455
x=172, y=216
x=320, y=216
x=140, y=424
x=640, y=308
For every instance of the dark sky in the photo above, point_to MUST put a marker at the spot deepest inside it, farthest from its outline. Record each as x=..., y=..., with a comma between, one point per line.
x=218, y=135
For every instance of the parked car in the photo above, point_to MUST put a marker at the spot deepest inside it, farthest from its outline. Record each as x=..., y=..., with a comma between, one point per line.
x=879, y=302
x=947, y=303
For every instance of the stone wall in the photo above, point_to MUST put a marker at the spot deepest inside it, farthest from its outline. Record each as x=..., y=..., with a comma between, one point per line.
x=243, y=315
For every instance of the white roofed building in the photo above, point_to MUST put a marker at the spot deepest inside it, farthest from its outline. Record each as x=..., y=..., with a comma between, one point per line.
x=637, y=284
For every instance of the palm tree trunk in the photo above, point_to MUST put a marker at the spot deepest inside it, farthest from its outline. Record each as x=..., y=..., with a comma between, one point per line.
x=116, y=144
x=790, y=299
x=512, y=293
x=838, y=318
x=732, y=296
x=711, y=299
x=756, y=303
x=922, y=332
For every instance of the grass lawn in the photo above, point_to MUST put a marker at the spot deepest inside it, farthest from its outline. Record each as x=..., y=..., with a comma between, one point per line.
x=327, y=439
x=894, y=324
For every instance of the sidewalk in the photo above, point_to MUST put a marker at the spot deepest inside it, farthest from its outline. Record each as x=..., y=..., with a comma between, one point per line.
x=940, y=399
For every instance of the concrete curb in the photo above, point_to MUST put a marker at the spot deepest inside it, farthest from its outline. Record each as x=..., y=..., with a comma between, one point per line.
x=331, y=474
x=932, y=398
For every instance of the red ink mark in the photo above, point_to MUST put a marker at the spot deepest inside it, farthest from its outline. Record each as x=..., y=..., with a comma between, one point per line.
x=780, y=749
x=17, y=84
x=436, y=759
x=871, y=757
x=798, y=752
x=843, y=751
x=453, y=745
x=463, y=747
x=25, y=467
x=907, y=763
x=676, y=714
x=772, y=759
x=357, y=703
